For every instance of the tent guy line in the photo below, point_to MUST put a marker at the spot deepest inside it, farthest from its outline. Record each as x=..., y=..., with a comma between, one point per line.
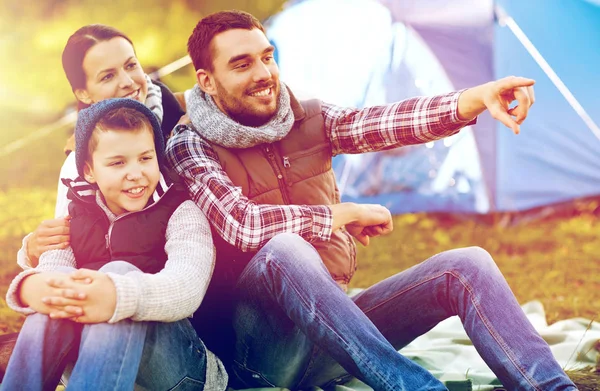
x=505, y=20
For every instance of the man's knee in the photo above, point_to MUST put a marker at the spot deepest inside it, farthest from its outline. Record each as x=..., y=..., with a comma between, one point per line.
x=118, y=267
x=470, y=259
x=289, y=250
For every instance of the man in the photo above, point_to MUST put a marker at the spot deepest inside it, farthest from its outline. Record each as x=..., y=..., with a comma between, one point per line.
x=258, y=163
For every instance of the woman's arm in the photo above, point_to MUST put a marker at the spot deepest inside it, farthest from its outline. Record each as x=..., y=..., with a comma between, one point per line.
x=50, y=234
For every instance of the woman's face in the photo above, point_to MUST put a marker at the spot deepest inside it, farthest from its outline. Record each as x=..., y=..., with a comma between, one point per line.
x=112, y=71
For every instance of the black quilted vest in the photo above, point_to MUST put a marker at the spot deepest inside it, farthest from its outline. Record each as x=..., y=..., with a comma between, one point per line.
x=136, y=237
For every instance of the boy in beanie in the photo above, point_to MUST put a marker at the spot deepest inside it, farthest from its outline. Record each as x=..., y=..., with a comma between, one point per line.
x=139, y=263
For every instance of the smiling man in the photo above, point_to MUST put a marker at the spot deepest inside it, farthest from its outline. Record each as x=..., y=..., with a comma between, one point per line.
x=258, y=163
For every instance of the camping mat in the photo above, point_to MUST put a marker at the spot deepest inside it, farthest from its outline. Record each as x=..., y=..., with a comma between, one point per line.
x=448, y=353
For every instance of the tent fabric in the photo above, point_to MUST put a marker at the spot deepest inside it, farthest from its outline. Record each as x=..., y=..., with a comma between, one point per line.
x=449, y=355
x=367, y=52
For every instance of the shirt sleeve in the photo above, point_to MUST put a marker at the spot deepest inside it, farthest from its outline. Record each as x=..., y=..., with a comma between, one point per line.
x=50, y=261
x=177, y=290
x=239, y=221
x=411, y=121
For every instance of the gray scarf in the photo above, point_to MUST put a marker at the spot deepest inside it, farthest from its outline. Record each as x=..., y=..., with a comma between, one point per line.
x=217, y=127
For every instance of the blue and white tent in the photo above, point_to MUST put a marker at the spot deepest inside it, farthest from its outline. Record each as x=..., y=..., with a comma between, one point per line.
x=367, y=52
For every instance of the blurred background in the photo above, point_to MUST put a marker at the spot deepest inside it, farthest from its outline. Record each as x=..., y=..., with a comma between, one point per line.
x=533, y=205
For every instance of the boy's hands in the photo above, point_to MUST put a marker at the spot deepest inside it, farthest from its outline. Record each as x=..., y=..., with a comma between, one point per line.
x=85, y=296
x=37, y=288
x=101, y=293
x=95, y=292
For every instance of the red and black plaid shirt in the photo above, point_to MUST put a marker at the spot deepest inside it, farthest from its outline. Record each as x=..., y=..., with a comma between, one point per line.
x=248, y=225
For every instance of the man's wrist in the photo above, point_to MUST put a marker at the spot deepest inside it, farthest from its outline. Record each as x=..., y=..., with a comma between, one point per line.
x=471, y=103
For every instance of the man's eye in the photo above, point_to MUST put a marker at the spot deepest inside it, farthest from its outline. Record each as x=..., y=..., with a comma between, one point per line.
x=118, y=163
x=132, y=65
x=242, y=66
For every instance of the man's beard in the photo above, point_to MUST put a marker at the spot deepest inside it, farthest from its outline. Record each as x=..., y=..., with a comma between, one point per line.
x=243, y=113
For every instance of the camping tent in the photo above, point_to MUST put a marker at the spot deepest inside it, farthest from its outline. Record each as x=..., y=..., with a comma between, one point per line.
x=367, y=52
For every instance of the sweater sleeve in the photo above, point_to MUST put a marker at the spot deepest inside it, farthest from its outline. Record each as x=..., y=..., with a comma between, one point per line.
x=50, y=261
x=178, y=289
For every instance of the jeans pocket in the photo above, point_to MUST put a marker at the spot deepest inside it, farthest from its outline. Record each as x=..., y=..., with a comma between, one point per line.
x=243, y=377
x=188, y=384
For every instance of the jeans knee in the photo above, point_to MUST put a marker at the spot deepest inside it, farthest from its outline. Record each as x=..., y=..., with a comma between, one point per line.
x=288, y=242
x=118, y=267
x=289, y=254
x=291, y=249
x=468, y=260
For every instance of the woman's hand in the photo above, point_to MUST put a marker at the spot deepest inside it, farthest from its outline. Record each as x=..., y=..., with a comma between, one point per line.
x=49, y=235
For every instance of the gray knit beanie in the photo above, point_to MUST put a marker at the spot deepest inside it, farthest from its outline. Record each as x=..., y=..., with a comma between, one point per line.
x=89, y=117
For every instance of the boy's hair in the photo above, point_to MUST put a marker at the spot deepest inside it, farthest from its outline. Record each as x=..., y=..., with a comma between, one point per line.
x=199, y=43
x=119, y=119
x=113, y=114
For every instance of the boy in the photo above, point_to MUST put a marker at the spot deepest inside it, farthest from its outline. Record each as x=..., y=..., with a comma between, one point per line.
x=144, y=256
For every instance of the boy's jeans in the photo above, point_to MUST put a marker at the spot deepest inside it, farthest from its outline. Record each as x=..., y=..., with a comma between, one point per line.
x=294, y=324
x=109, y=355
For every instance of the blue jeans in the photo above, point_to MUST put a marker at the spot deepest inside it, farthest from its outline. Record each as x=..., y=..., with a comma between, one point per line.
x=168, y=355
x=296, y=328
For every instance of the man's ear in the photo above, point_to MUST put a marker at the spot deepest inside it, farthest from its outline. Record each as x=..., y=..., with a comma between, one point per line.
x=83, y=96
x=206, y=82
x=88, y=173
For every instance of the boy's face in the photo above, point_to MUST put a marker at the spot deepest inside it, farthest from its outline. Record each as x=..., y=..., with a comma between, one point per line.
x=244, y=82
x=125, y=168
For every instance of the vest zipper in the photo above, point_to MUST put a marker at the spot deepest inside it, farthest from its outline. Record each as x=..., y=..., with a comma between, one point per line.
x=286, y=162
x=110, y=227
x=278, y=174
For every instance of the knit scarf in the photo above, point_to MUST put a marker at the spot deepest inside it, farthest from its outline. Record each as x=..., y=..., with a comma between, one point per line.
x=154, y=99
x=217, y=127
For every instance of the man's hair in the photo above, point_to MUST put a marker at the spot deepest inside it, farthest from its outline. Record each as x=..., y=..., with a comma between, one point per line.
x=199, y=43
x=120, y=119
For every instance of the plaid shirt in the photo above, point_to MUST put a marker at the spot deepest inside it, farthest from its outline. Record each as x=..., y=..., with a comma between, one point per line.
x=247, y=225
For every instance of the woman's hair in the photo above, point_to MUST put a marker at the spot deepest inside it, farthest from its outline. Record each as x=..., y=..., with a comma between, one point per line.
x=77, y=47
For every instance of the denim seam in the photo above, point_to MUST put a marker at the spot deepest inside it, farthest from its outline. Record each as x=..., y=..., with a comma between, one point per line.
x=509, y=353
x=324, y=322
x=122, y=358
x=482, y=318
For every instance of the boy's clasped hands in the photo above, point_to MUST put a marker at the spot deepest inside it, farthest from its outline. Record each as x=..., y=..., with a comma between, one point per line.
x=84, y=296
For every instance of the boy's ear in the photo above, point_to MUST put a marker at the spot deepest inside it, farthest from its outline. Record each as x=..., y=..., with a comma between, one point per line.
x=206, y=82
x=88, y=173
x=83, y=96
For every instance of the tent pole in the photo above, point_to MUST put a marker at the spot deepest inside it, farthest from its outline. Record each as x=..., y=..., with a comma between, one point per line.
x=506, y=20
